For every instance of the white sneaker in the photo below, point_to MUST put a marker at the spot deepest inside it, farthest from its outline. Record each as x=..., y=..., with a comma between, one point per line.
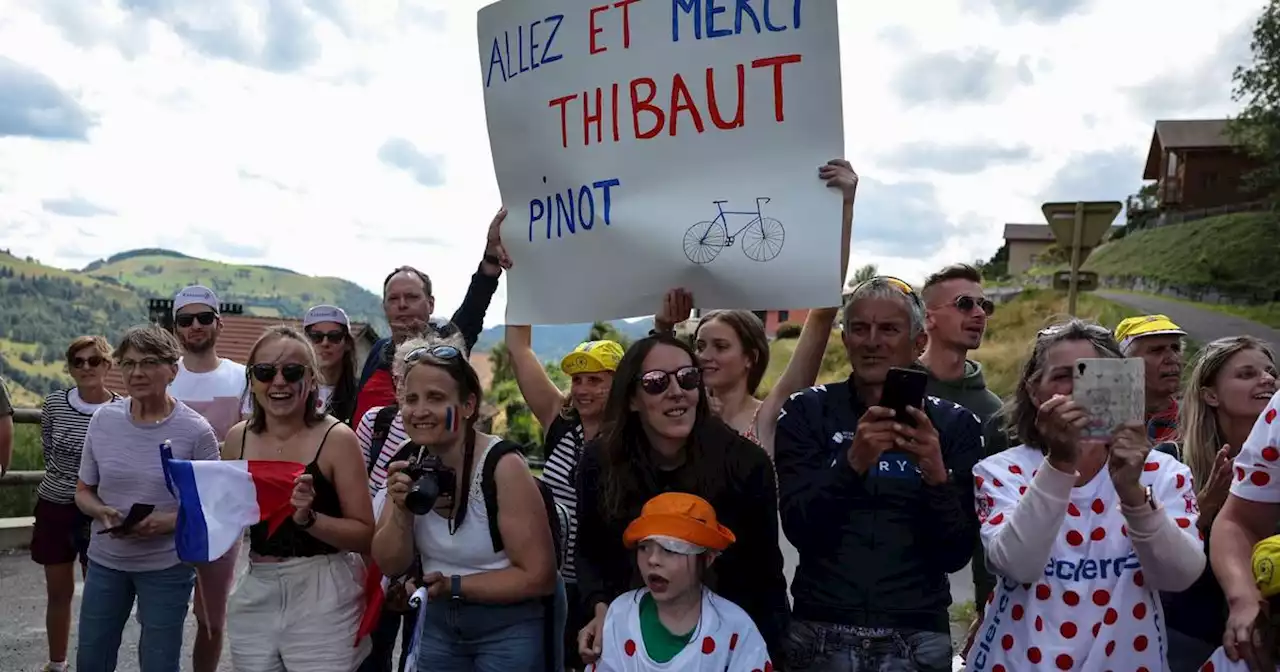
x=55, y=667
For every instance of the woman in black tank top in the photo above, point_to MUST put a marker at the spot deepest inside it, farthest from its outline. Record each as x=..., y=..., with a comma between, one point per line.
x=302, y=602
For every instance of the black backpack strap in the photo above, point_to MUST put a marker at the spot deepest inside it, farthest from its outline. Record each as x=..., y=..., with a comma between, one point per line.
x=489, y=487
x=381, y=430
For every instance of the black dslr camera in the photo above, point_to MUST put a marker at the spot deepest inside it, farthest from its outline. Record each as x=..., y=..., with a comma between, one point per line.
x=431, y=479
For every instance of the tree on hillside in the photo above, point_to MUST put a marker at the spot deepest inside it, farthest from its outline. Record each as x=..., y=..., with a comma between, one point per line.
x=603, y=331
x=862, y=275
x=997, y=267
x=1257, y=85
x=1140, y=208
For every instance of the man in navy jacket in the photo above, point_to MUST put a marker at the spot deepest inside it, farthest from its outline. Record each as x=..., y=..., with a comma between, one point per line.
x=879, y=511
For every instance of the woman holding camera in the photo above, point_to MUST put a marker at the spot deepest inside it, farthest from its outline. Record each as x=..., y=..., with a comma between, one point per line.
x=486, y=607
x=300, y=604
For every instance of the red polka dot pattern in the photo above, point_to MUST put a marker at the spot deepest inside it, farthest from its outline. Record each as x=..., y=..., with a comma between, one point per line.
x=1270, y=454
x=733, y=641
x=1071, y=598
x=1033, y=655
x=1074, y=538
x=1140, y=643
x=1151, y=466
x=1064, y=662
x=630, y=647
x=708, y=645
x=996, y=519
x=1098, y=507
x=1260, y=478
x=1098, y=534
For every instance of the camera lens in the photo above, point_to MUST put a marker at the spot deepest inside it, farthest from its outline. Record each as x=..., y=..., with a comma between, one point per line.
x=422, y=495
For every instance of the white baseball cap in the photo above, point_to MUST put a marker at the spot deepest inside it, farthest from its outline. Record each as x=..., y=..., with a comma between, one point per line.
x=322, y=313
x=195, y=294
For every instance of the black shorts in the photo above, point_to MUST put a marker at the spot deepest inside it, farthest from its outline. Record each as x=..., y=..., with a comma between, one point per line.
x=61, y=534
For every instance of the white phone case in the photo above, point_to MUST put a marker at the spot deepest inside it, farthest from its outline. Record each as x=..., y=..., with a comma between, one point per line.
x=1112, y=391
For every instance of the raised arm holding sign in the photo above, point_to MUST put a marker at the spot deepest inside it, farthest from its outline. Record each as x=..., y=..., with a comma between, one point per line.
x=642, y=144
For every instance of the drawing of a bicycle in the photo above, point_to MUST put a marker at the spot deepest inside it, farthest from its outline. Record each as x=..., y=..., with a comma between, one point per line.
x=762, y=237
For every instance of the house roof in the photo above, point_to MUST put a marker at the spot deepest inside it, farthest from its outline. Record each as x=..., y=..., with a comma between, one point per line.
x=1184, y=134
x=239, y=333
x=1028, y=233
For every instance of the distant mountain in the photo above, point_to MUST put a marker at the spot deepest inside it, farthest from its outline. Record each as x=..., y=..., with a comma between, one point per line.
x=552, y=342
x=43, y=308
x=262, y=290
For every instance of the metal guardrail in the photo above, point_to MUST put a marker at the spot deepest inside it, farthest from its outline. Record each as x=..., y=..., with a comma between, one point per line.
x=31, y=416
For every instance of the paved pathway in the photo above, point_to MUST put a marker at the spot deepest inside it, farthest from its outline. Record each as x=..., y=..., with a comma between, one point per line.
x=1201, y=324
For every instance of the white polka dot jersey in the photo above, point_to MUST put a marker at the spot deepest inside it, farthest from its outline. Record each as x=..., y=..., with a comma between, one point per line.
x=726, y=640
x=1257, y=467
x=1091, y=609
x=1219, y=662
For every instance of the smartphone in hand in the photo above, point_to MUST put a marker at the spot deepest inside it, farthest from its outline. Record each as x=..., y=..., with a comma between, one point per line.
x=137, y=513
x=903, y=388
x=1112, y=391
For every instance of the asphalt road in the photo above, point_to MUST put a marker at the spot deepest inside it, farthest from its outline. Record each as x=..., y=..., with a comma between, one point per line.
x=22, y=641
x=1200, y=324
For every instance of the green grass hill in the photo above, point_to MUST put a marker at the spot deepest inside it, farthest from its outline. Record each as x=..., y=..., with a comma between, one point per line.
x=43, y=308
x=1233, y=254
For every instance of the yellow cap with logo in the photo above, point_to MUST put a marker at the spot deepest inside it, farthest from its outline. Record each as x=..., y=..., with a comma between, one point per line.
x=1133, y=328
x=1266, y=558
x=592, y=357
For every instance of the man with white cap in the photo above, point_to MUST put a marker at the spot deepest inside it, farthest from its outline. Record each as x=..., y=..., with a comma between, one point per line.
x=1158, y=341
x=215, y=388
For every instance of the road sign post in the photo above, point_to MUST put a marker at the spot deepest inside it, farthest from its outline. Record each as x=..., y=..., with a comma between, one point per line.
x=1084, y=223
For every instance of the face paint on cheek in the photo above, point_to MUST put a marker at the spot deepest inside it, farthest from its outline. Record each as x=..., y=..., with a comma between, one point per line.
x=451, y=420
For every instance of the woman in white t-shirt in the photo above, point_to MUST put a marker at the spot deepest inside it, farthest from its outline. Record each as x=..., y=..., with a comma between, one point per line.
x=1081, y=535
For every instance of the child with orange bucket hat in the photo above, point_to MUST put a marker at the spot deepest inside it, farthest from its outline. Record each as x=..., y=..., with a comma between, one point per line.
x=675, y=622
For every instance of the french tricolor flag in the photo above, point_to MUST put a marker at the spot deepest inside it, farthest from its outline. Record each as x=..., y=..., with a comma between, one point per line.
x=217, y=499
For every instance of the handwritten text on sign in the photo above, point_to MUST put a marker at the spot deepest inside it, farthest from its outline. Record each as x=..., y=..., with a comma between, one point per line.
x=639, y=143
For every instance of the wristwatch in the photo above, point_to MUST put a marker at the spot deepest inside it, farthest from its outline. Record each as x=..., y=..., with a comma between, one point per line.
x=309, y=522
x=455, y=587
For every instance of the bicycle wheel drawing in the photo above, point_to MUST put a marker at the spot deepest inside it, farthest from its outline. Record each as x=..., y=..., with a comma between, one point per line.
x=763, y=241
x=703, y=241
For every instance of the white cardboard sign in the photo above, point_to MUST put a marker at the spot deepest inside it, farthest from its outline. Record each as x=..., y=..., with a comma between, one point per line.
x=641, y=145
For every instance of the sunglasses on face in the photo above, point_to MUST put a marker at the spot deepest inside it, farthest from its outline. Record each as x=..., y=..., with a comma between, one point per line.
x=440, y=352
x=265, y=373
x=657, y=382
x=91, y=362
x=319, y=337
x=205, y=319
x=966, y=304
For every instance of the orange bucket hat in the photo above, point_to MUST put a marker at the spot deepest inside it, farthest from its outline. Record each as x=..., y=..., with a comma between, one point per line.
x=679, y=517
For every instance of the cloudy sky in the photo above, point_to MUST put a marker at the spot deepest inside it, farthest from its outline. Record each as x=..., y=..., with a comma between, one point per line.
x=342, y=137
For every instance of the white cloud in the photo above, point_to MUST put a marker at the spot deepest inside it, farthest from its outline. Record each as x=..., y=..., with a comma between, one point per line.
x=252, y=133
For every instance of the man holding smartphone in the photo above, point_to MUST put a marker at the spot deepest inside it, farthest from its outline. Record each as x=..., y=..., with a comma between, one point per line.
x=1158, y=342
x=878, y=500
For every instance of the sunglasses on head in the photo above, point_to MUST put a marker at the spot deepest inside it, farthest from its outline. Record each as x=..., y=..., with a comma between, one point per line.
x=319, y=337
x=93, y=361
x=657, y=382
x=440, y=352
x=1055, y=329
x=265, y=373
x=966, y=304
x=900, y=285
x=205, y=318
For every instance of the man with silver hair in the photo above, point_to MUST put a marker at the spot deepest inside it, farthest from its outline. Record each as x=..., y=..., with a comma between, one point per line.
x=1158, y=342
x=879, y=507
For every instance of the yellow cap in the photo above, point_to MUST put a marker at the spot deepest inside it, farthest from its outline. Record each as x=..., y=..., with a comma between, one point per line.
x=1266, y=555
x=1133, y=328
x=592, y=357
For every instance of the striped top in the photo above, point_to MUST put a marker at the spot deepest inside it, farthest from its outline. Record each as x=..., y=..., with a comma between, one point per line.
x=395, y=438
x=559, y=473
x=64, y=419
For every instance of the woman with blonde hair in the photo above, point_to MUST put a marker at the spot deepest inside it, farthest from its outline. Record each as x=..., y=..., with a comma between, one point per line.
x=300, y=604
x=1230, y=382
